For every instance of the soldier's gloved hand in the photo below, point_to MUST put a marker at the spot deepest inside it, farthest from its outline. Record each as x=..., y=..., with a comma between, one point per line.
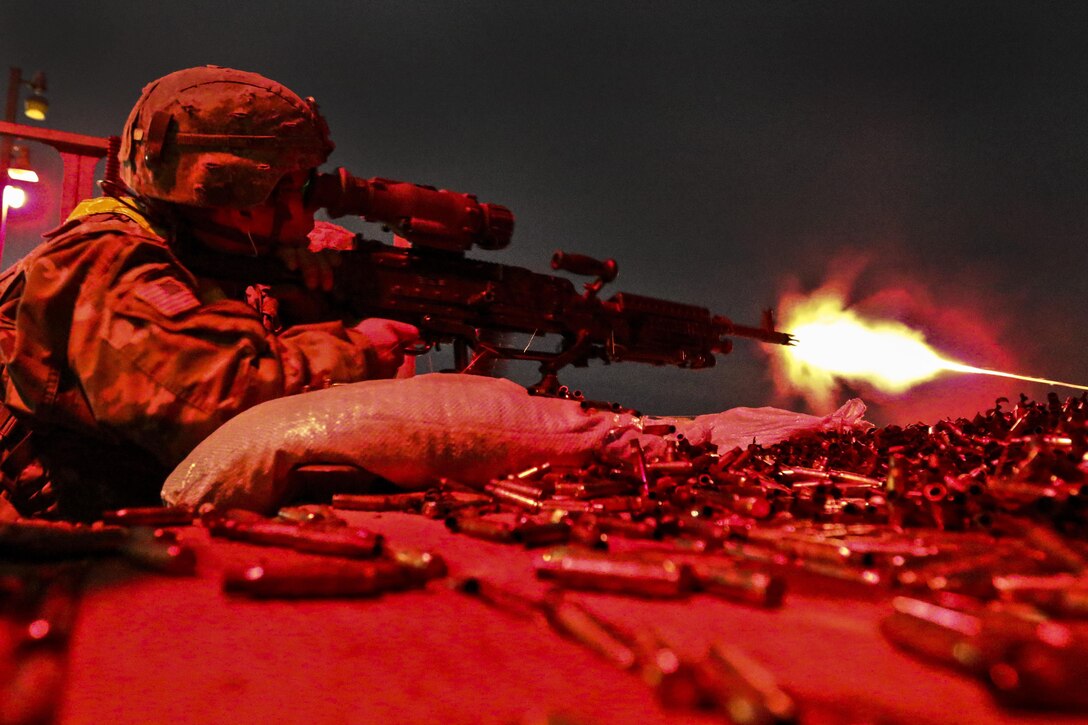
x=389, y=339
x=317, y=261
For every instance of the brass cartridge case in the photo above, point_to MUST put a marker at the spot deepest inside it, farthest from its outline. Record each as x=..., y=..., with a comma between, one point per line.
x=373, y=502
x=743, y=689
x=346, y=541
x=746, y=585
x=532, y=534
x=150, y=516
x=588, y=570
x=337, y=578
x=579, y=624
x=480, y=528
x=159, y=550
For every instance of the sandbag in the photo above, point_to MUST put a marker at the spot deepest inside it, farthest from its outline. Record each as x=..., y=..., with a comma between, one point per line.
x=739, y=427
x=463, y=427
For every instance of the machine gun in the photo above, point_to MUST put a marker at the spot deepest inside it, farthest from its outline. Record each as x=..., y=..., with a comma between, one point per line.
x=472, y=304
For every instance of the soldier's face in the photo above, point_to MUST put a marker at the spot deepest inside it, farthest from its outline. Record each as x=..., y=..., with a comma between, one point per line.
x=281, y=220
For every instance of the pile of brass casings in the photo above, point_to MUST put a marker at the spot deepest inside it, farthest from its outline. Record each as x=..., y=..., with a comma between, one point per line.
x=964, y=526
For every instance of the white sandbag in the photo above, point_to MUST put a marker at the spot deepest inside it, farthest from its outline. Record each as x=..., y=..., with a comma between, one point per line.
x=767, y=426
x=411, y=432
x=462, y=427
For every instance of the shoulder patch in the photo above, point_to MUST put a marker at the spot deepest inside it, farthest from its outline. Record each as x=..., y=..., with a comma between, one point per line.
x=167, y=295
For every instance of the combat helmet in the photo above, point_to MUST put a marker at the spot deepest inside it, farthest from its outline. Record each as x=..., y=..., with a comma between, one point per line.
x=218, y=137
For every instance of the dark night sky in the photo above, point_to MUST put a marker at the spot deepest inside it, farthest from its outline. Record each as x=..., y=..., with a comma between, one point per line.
x=716, y=150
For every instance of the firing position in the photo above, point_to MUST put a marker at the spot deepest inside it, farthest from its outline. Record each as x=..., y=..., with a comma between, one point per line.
x=121, y=347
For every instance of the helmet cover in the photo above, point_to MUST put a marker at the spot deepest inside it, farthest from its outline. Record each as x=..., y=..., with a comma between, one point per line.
x=219, y=137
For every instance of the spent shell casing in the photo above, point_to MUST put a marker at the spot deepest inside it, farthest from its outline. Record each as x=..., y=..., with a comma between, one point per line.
x=479, y=527
x=411, y=501
x=743, y=688
x=586, y=532
x=591, y=570
x=159, y=550
x=739, y=584
x=670, y=467
x=332, y=578
x=640, y=467
x=532, y=489
x=49, y=539
x=349, y=541
x=568, y=505
x=591, y=489
x=504, y=494
x=705, y=530
x=320, y=514
x=533, y=471
x=426, y=564
x=970, y=641
x=616, y=526
x=1055, y=547
x=673, y=679
x=505, y=600
x=840, y=572
x=532, y=534
x=573, y=620
x=1042, y=675
x=948, y=643
x=150, y=516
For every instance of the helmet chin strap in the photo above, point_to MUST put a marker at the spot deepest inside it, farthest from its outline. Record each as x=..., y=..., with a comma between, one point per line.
x=234, y=235
x=244, y=238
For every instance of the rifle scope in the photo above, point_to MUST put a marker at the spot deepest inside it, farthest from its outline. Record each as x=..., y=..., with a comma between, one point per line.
x=421, y=214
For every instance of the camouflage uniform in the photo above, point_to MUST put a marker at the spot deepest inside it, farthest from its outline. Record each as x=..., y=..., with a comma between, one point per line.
x=117, y=360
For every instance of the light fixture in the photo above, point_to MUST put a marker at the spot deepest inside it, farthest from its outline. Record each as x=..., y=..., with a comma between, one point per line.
x=14, y=197
x=20, y=169
x=37, y=105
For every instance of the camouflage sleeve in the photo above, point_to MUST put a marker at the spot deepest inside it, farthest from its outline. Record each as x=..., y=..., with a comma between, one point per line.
x=162, y=367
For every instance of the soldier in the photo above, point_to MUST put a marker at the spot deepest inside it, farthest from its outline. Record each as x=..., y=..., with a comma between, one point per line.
x=121, y=347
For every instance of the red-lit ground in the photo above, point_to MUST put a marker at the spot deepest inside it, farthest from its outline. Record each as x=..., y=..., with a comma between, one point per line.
x=153, y=649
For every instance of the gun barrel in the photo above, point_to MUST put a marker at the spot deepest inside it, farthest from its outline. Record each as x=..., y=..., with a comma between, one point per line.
x=762, y=334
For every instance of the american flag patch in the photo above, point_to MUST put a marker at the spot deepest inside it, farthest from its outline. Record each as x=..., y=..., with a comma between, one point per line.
x=168, y=296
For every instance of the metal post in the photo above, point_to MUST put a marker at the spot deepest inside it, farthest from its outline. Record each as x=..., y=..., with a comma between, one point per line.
x=15, y=83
